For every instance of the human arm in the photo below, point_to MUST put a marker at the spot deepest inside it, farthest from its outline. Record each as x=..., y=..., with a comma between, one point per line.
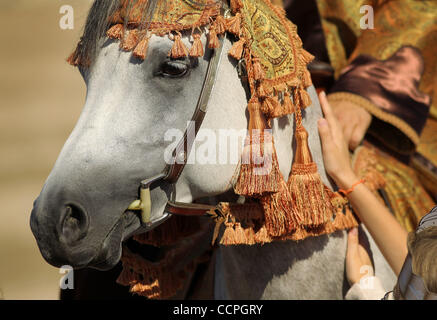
x=388, y=234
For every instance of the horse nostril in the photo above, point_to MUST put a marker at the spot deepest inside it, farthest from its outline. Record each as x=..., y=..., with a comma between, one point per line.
x=75, y=224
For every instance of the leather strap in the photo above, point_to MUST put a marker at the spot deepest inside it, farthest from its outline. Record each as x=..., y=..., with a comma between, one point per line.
x=193, y=209
x=183, y=149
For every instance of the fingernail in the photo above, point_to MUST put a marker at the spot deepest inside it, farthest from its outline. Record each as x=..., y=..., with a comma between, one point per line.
x=323, y=94
x=354, y=231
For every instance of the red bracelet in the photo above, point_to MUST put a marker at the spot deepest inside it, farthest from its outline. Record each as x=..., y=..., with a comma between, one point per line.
x=346, y=192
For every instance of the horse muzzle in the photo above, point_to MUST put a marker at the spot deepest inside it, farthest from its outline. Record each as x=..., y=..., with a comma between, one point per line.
x=70, y=238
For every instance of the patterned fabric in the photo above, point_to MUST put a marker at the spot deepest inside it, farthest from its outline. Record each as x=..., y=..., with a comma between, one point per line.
x=396, y=24
x=393, y=29
x=169, y=15
x=273, y=40
x=408, y=199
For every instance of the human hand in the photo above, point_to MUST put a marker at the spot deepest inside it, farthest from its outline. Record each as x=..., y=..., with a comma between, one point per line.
x=358, y=263
x=353, y=121
x=335, y=150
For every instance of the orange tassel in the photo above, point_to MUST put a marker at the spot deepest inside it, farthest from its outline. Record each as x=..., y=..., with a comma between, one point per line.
x=178, y=50
x=239, y=234
x=304, y=182
x=281, y=217
x=116, y=31
x=261, y=236
x=220, y=25
x=233, y=24
x=306, y=56
x=258, y=71
x=307, y=79
x=228, y=237
x=141, y=49
x=261, y=90
x=131, y=40
x=237, y=49
x=271, y=106
x=287, y=106
x=197, y=48
x=304, y=97
x=259, y=170
x=213, y=42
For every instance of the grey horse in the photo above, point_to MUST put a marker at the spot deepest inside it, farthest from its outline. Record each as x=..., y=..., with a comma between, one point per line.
x=80, y=217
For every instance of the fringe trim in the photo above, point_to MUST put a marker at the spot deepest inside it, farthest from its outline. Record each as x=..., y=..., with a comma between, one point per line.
x=153, y=280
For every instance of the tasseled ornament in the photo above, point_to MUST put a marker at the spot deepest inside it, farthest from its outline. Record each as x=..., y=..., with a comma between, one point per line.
x=236, y=50
x=258, y=71
x=220, y=25
x=281, y=217
x=178, y=50
x=130, y=41
x=259, y=171
x=287, y=106
x=116, y=31
x=304, y=97
x=262, y=236
x=197, y=48
x=306, y=56
x=307, y=79
x=305, y=185
x=213, y=42
x=240, y=235
x=261, y=90
x=141, y=49
x=233, y=24
x=236, y=5
x=271, y=106
x=228, y=237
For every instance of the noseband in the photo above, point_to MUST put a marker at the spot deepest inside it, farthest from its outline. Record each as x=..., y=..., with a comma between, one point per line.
x=180, y=154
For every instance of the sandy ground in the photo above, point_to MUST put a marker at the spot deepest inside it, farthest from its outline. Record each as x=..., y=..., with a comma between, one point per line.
x=41, y=97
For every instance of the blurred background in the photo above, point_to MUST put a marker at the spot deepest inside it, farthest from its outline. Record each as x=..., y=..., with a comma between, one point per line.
x=41, y=97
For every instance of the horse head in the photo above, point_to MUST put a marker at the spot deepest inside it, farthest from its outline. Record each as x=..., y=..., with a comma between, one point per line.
x=80, y=217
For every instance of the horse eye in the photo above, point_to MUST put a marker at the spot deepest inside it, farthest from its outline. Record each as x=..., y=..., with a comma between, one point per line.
x=173, y=69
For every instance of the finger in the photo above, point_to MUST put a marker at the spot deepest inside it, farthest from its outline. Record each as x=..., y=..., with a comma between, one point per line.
x=330, y=116
x=326, y=107
x=352, y=242
x=325, y=136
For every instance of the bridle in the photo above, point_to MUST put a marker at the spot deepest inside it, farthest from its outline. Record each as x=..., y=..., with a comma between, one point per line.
x=180, y=154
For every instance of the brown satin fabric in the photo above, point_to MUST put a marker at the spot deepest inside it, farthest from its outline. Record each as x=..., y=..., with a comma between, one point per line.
x=390, y=84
